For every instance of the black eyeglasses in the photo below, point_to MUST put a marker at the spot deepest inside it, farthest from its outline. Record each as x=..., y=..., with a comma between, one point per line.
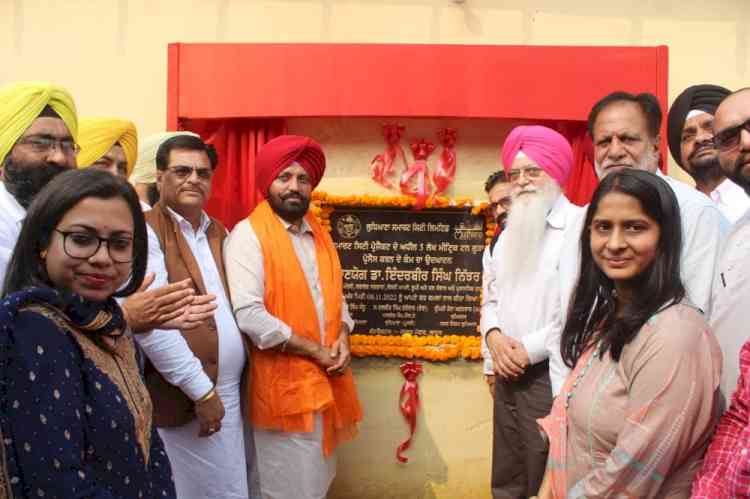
x=728, y=139
x=43, y=144
x=182, y=172
x=84, y=245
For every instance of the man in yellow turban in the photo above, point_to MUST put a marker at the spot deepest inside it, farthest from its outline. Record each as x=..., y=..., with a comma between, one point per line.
x=143, y=176
x=38, y=130
x=109, y=144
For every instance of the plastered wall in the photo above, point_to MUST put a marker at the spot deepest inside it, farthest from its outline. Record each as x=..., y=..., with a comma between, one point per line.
x=112, y=55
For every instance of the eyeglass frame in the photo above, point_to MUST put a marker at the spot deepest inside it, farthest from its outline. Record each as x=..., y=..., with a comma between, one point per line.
x=532, y=172
x=732, y=134
x=198, y=171
x=504, y=202
x=66, y=233
x=37, y=141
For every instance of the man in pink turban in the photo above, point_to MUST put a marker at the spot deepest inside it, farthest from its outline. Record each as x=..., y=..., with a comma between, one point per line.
x=287, y=294
x=523, y=318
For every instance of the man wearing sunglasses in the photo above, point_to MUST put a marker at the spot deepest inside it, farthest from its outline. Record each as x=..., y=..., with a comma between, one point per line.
x=194, y=375
x=726, y=465
x=691, y=142
x=38, y=128
x=730, y=311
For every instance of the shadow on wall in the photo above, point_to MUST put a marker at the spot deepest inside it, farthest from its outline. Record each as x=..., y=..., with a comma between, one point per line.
x=450, y=453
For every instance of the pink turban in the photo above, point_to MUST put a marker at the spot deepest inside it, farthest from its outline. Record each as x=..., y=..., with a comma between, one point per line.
x=279, y=153
x=546, y=147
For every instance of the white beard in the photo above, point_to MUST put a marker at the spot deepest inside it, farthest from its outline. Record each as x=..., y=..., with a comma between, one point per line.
x=524, y=234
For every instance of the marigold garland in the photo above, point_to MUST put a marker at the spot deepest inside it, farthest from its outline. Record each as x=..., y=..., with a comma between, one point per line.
x=407, y=345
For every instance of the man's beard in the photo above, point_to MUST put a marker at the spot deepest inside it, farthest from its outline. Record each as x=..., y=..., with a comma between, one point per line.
x=288, y=213
x=705, y=170
x=737, y=176
x=524, y=233
x=25, y=180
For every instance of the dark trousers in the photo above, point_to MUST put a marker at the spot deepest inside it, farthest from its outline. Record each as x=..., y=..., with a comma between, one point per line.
x=519, y=454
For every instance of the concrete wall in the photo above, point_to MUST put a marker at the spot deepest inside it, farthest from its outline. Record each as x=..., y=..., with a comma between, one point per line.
x=112, y=55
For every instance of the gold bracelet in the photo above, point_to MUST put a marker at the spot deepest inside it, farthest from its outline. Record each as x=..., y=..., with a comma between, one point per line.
x=207, y=396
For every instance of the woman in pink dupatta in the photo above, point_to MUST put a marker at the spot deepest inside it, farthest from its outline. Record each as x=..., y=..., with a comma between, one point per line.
x=636, y=413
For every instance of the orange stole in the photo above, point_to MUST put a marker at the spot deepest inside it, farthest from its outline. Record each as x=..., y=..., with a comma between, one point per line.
x=287, y=390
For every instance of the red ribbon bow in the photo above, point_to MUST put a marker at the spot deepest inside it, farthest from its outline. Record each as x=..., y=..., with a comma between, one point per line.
x=421, y=149
x=409, y=403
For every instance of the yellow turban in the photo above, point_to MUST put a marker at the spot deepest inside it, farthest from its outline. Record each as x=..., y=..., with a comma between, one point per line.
x=22, y=102
x=145, y=169
x=96, y=136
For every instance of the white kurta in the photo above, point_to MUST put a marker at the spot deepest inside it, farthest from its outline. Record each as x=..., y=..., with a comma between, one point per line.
x=703, y=230
x=730, y=312
x=731, y=200
x=290, y=465
x=11, y=219
x=533, y=314
x=488, y=317
x=215, y=466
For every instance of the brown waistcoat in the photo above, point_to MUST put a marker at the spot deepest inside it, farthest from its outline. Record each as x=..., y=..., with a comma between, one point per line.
x=171, y=406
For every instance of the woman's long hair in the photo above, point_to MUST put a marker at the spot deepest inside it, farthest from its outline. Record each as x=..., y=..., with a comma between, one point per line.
x=26, y=267
x=592, y=316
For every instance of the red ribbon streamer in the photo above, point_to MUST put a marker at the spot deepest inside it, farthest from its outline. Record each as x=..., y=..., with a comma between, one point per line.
x=382, y=165
x=408, y=401
x=421, y=149
x=445, y=172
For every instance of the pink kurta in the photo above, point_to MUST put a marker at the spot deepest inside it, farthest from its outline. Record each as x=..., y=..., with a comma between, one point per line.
x=638, y=427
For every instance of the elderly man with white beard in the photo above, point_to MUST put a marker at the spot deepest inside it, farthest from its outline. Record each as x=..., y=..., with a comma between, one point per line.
x=525, y=295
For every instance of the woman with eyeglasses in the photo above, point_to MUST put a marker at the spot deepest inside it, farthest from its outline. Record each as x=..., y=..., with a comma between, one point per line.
x=636, y=413
x=75, y=417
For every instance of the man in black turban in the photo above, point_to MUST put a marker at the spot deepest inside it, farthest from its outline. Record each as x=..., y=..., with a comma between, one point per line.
x=690, y=134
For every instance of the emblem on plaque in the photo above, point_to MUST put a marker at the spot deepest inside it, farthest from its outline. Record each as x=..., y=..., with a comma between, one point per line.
x=348, y=226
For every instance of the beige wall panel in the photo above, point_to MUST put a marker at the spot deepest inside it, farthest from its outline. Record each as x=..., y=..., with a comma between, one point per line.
x=479, y=25
x=272, y=21
x=376, y=22
x=563, y=29
x=449, y=457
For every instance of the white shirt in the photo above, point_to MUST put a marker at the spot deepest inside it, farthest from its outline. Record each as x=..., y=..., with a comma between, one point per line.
x=168, y=350
x=703, y=230
x=533, y=314
x=246, y=277
x=11, y=220
x=731, y=199
x=730, y=311
x=488, y=318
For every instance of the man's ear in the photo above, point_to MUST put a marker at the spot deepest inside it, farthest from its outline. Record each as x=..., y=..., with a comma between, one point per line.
x=159, y=174
x=656, y=144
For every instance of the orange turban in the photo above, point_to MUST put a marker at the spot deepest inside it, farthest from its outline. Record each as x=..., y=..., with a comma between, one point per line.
x=279, y=153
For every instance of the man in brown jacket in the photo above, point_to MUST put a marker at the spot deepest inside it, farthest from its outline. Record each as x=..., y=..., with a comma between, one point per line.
x=194, y=376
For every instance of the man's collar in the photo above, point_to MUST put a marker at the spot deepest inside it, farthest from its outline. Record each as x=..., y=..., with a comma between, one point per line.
x=556, y=216
x=15, y=210
x=205, y=219
x=305, y=227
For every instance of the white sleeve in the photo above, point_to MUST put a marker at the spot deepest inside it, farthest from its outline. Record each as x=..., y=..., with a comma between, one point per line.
x=488, y=314
x=245, y=276
x=166, y=348
x=700, y=255
x=346, y=317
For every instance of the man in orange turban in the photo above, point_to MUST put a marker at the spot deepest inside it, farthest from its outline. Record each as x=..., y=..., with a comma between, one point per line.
x=286, y=285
